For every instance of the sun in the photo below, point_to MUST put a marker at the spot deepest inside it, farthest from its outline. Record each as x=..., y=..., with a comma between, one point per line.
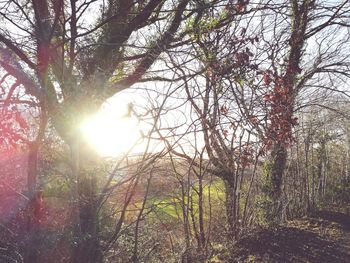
x=111, y=135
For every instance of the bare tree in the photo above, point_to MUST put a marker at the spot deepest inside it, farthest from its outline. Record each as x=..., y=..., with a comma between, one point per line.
x=72, y=56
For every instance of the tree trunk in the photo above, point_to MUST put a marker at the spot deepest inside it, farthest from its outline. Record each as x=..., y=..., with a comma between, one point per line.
x=231, y=204
x=34, y=207
x=86, y=247
x=186, y=257
x=306, y=179
x=202, y=238
x=278, y=164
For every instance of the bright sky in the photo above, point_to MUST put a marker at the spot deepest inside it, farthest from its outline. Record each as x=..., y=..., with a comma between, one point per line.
x=113, y=131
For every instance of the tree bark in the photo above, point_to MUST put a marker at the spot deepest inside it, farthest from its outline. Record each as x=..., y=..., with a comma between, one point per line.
x=202, y=238
x=231, y=204
x=86, y=247
x=278, y=164
x=34, y=210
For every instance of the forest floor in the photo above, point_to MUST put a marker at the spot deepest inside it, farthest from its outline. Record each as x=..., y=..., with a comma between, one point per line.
x=322, y=237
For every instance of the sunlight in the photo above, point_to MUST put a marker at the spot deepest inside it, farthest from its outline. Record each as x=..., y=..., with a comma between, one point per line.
x=111, y=135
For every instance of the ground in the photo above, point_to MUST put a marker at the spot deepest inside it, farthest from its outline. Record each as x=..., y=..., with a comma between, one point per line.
x=322, y=237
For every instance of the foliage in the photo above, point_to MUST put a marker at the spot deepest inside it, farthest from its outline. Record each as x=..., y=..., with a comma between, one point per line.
x=251, y=115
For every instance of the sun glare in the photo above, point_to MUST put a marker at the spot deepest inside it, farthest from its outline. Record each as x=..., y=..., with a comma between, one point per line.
x=110, y=135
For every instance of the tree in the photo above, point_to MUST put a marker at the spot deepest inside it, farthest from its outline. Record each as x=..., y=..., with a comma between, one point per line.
x=259, y=76
x=213, y=71
x=17, y=115
x=245, y=69
x=300, y=73
x=71, y=62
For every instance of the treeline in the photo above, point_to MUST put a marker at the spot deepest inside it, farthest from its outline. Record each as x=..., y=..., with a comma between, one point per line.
x=248, y=100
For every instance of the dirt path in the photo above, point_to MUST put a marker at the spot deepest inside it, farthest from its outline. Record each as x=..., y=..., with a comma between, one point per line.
x=324, y=237
x=343, y=220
